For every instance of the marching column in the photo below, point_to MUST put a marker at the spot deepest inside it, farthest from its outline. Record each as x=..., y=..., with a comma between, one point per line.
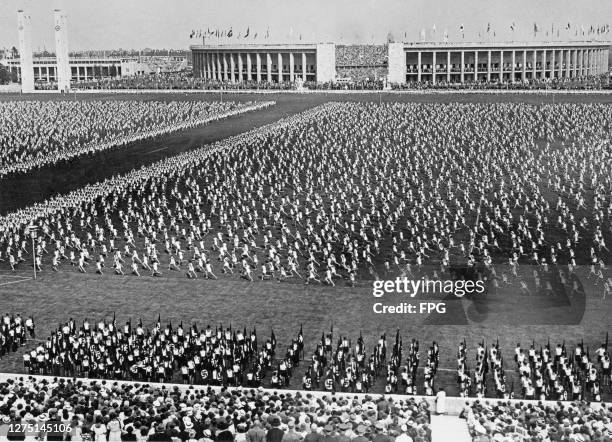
x=304, y=66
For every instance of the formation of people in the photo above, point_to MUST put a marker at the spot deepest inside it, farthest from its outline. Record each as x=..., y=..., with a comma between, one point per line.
x=544, y=373
x=226, y=356
x=346, y=192
x=342, y=367
x=60, y=409
x=36, y=133
x=14, y=333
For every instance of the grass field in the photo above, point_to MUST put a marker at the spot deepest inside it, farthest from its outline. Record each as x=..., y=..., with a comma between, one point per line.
x=53, y=298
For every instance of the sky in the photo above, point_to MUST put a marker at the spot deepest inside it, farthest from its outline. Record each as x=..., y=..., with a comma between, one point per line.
x=136, y=24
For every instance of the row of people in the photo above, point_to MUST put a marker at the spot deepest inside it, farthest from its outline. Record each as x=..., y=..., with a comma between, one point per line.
x=38, y=133
x=60, y=409
x=351, y=191
x=14, y=333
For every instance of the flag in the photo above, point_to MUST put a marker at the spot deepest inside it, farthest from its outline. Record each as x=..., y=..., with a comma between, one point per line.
x=246, y=34
x=535, y=28
x=488, y=28
x=513, y=26
x=445, y=35
x=268, y=33
x=230, y=32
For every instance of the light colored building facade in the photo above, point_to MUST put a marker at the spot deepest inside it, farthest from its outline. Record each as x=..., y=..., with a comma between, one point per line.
x=265, y=63
x=45, y=69
x=512, y=62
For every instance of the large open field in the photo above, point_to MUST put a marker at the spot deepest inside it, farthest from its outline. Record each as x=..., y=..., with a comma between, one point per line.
x=284, y=307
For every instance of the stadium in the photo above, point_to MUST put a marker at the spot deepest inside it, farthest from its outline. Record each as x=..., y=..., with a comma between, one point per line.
x=404, y=62
x=253, y=250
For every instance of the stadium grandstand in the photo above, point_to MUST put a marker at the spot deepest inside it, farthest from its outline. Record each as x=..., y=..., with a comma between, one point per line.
x=401, y=63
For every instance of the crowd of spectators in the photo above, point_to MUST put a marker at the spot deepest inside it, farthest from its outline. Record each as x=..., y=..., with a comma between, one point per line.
x=517, y=421
x=102, y=410
x=584, y=83
x=361, y=55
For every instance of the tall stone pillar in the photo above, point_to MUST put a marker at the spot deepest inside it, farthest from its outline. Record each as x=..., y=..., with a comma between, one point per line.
x=269, y=67
x=513, y=65
x=280, y=67
x=501, y=66
x=448, y=66
x=225, y=67
x=419, y=67
x=249, y=66
x=61, y=50
x=232, y=64
x=524, y=73
x=258, y=67
x=26, y=64
x=326, y=62
x=543, y=70
x=396, y=58
x=475, y=65
x=552, y=64
x=219, y=68
x=435, y=67
x=534, y=69
x=291, y=67
x=489, y=65
x=240, y=68
x=462, y=66
x=304, y=67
